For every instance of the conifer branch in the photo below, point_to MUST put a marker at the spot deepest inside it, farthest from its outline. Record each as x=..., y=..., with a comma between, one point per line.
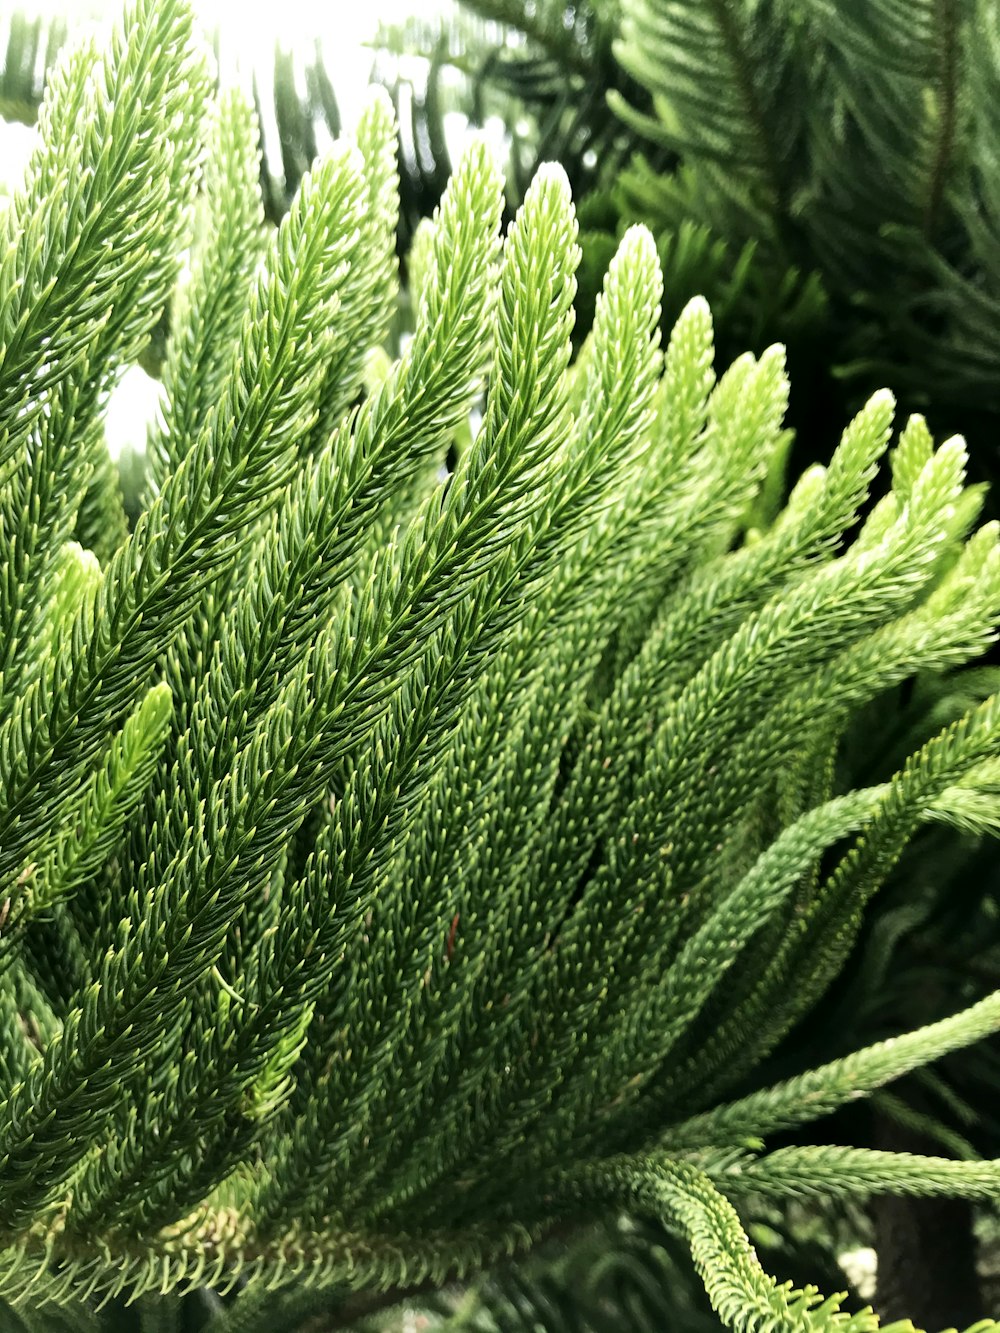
x=819, y=1091
x=391, y=854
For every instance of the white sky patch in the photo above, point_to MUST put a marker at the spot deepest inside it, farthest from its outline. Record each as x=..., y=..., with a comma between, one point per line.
x=861, y=1269
x=251, y=28
x=249, y=31
x=130, y=410
x=15, y=149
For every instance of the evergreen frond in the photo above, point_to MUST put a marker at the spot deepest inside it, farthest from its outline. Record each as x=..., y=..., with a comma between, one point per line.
x=428, y=820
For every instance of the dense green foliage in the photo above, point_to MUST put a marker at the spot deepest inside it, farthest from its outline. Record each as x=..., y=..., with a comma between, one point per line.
x=400, y=861
x=824, y=173
x=827, y=175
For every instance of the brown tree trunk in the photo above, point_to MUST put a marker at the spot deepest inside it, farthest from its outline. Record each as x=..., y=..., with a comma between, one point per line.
x=926, y=1248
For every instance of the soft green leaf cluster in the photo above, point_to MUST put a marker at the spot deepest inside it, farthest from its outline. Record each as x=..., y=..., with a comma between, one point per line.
x=395, y=859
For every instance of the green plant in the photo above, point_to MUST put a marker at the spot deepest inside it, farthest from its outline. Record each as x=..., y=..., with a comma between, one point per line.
x=824, y=173
x=395, y=862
